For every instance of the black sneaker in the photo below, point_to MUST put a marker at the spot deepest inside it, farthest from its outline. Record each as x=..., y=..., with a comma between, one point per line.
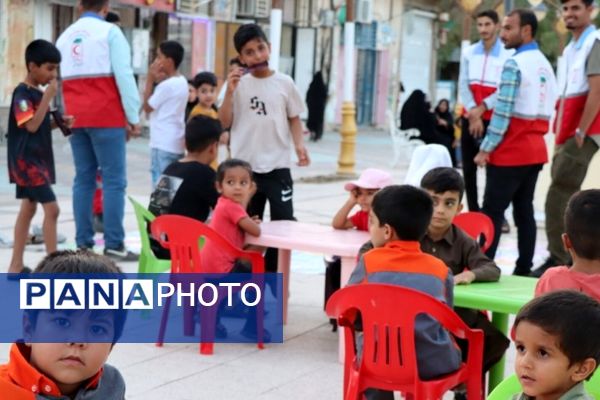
x=505, y=226
x=521, y=271
x=539, y=271
x=121, y=255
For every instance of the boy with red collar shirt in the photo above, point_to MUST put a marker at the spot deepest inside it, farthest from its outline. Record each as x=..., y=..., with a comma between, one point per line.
x=65, y=370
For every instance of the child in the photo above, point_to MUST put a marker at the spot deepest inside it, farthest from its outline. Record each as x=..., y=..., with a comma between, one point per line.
x=557, y=344
x=398, y=219
x=65, y=370
x=187, y=187
x=361, y=194
x=234, y=63
x=30, y=157
x=461, y=254
x=581, y=238
x=206, y=91
x=230, y=219
x=263, y=110
x=166, y=106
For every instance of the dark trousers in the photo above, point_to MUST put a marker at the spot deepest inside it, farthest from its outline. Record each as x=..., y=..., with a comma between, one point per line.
x=517, y=185
x=469, y=146
x=276, y=187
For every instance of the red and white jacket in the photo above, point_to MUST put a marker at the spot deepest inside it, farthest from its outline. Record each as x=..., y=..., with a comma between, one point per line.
x=573, y=86
x=89, y=86
x=483, y=70
x=523, y=142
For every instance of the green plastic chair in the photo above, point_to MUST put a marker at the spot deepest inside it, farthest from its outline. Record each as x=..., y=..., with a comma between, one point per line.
x=511, y=386
x=148, y=263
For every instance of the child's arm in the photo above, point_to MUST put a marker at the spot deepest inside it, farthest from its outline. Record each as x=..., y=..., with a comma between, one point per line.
x=226, y=108
x=298, y=138
x=34, y=123
x=151, y=79
x=480, y=267
x=250, y=225
x=341, y=220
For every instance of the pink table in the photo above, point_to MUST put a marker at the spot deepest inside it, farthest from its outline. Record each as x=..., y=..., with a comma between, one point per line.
x=292, y=235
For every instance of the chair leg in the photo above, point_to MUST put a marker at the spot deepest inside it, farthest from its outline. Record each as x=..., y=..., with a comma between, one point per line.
x=188, y=318
x=208, y=322
x=163, y=323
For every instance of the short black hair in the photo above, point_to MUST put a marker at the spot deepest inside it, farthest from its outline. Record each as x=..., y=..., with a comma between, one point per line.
x=491, y=14
x=236, y=60
x=526, y=17
x=205, y=77
x=405, y=208
x=41, y=51
x=444, y=179
x=582, y=223
x=232, y=163
x=93, y=5
x=201, y=131
x=173, y=50
x=573, y=317
x=112, y=17
x=80, y=262
x=246, y=33
x=586, y=2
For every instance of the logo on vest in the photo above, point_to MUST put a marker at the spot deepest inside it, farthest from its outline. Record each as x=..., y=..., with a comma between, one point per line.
x=77, y=51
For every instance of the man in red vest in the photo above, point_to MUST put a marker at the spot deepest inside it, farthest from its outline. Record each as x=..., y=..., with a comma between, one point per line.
x=514, y=149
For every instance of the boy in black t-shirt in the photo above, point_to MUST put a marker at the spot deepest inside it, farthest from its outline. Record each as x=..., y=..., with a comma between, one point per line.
x=187, y=187
x=30, y=157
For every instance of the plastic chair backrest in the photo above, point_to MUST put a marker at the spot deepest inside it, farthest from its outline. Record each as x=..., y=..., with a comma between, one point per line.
x=424, y=159
x=476, y=224
x=181, y=236
x=148, y=262
x=511, y=386
x=388, y=359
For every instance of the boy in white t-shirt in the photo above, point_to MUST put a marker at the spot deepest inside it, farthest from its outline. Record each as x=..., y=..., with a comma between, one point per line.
x=263, y=110
x=166, y=107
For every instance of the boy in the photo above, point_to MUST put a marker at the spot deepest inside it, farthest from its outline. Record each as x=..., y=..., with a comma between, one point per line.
x=398, y=219
x=206, y=89
x=461, y=254
x=581, y=238
x=166, y=106
x=263, y=110
x=38, y=370
x=557, y=346
x=30, y=157
x=187, y=187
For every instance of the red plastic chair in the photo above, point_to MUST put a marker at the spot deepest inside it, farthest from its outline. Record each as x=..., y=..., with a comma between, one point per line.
x=182, y=236
x=388, y=359
x=476, y=224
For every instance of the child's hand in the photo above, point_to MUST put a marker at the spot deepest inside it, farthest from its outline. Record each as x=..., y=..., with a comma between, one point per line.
x=69, y=120
x=51, y=89
x=256, y=219
x=233, y=78
x=353, y=197
x=155, y=71
x=302, y=153
x=464, y=278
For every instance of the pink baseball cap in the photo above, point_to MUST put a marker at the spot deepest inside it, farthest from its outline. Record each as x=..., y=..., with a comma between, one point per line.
x=371, y=178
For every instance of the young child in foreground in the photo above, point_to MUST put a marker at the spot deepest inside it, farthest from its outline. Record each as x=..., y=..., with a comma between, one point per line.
x=65, y=370
x=558, y=346
x=398, y=219
x=581, y=239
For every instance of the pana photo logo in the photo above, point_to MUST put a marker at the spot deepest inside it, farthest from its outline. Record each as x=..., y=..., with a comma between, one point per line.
x=129, y=294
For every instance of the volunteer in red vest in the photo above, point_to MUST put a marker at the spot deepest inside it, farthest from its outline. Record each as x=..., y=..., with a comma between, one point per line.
x=577, y=125
x=514, y=149
x=480, y=70
x=99, y=90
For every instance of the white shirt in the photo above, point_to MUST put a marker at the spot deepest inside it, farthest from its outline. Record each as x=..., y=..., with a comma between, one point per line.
x=167, y=121
x=260, y=132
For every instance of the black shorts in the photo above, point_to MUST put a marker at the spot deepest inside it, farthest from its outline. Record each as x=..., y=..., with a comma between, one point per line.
x=40, y=194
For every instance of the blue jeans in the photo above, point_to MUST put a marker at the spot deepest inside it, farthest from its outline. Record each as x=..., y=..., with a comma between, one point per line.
x=159, y=161
x=104, y=148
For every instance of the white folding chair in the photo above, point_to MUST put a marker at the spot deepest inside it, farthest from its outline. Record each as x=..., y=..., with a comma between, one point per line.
x=402, y=145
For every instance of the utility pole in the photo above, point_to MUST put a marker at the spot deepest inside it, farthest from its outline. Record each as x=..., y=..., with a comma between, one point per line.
x=508, y=6
x=275, y=33
x=346, y=159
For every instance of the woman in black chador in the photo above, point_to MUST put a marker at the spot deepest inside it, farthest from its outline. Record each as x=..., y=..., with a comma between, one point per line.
x=316, y=99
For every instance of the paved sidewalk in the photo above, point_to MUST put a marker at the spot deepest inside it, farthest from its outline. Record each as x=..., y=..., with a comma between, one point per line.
x=305, y=365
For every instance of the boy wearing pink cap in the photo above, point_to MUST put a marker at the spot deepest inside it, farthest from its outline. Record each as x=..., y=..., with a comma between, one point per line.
x=361, y=191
